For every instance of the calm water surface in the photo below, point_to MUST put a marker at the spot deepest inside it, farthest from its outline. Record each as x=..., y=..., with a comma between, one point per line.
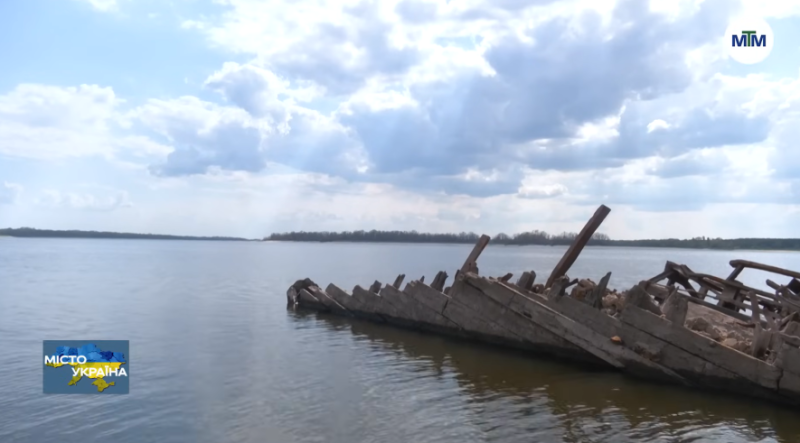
x=217, y=357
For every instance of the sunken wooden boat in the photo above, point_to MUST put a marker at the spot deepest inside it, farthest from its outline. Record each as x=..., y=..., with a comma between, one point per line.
x=671, y=332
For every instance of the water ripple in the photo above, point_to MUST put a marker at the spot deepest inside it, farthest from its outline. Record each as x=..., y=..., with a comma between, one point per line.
x=216, y=357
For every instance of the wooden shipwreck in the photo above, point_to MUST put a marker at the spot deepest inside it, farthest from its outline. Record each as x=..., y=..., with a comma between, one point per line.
x=694, y=329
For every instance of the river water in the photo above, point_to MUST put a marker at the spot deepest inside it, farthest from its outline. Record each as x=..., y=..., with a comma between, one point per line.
x=217, y=357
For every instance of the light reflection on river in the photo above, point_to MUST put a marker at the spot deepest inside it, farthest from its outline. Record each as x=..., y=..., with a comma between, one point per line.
x=217, y=357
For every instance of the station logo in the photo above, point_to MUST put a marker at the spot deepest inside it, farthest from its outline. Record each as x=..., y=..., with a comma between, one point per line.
x=86, y=366
x=749, y=40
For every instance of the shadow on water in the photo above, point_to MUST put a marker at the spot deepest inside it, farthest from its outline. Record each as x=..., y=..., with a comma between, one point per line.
x=585, y=405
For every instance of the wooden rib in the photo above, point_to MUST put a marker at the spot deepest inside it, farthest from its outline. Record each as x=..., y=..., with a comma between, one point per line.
x=577, y=246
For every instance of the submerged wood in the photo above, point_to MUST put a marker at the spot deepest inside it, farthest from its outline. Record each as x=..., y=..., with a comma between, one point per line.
x=639, y=342
x=670, y=333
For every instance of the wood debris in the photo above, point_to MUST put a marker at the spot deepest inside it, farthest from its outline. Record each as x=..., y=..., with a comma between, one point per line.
x=681, y=326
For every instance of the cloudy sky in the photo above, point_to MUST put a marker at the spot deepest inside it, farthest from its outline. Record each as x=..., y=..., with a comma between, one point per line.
x=245, y=117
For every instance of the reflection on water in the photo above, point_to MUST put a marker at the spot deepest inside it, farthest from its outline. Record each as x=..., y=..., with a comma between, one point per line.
x=217, y=358
x=512, y=397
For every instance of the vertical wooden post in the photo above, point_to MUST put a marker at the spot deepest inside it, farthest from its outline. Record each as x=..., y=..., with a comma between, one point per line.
x=577, y=246
x=472, y=260
x=439, y=280
x=375, y=287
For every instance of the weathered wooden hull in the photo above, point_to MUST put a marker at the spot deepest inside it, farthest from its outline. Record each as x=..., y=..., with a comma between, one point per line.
x=637, y=342
x=643, y=338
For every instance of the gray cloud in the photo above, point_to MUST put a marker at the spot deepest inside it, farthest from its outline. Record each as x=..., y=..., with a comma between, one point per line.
x=417, y=11
x=251, y=89
x=228, y=145
x=324, y=56
x=576, y=72
x=547, y=90
x=312, y=144
x=696, y=129
x=687, y=166
x=686, y=193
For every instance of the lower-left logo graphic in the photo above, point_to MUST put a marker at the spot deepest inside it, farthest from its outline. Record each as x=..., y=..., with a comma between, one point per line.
x=86, y=366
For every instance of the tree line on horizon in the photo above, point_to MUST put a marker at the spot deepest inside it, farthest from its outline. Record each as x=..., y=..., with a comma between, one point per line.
x=50, y=233
x=535, y=237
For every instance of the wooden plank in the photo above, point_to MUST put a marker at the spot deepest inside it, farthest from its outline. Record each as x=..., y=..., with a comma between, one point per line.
x=375, y=303
x=747, y=367
x=675, y=308
x=439, y=280
x=475, y=325
x=428, y=296
x=307, y=300
x=582, y=336
x=788, y=359
x=375, y=287
x=660, y=292
x=518, y=326
x=761, y=337
x=291, y=296
x=637, y=296
x=577, y=246
x=293, y=292
x=648, y=346
x=411, y=309
x=398, y=281
x=681, y=275
x=329, y=302
x=472, y=259
x=559, y=288
x=352, y=304
x=526, y=280
x=595, y=298
x=794, y=286
x=763, y=267
x=736, y=271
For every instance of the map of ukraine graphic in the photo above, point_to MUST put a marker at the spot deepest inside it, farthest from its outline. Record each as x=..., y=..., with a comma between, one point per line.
x=95, y=358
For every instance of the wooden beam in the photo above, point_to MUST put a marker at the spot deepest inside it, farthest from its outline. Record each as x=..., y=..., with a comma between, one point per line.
x=763, y=267
x=675, y=308
x=526, y=280
x=577, y=246
x=595, y=298
x=375, y=287
x=439, y=280
x=472, y=260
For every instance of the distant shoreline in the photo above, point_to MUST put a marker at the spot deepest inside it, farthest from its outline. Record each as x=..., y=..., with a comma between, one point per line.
x=535, y=238
x=590, y=245
x=49, y=233
x=539, y=238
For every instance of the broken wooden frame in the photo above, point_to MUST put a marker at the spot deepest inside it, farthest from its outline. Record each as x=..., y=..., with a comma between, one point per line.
x=643, y=337
x=731, y=295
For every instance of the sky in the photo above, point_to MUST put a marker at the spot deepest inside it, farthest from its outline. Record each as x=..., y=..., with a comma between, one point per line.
x=246, y=117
